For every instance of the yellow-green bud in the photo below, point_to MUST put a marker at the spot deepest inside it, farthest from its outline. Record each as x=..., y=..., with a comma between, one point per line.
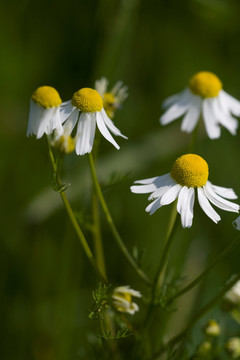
x=212, y=328
x=232, y=347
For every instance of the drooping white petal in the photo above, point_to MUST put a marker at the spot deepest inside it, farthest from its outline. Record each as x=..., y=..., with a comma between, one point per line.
x=177, y=109
x=192, y=116
x=111, y=125
x=154, y=206
x=85, y=133
x=170, y=195
x=45, y=123
x=236, y=223
x=212, y=127
x=104, y=130
x=35, y=114
x=71, y=122
x=206, y=206
x=185, y=206
x=227, y=193
x=219, y=201
x=176, y=98
x=224, y=117
x=66, y=109
x=232, y=103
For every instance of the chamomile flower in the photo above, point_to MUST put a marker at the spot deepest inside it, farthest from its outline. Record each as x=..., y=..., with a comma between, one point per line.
x=189, y=173
x=86, y=109
x=112, y=99
x=204, y=95
x=233, y=295
x=44, y=115
x=122, y=299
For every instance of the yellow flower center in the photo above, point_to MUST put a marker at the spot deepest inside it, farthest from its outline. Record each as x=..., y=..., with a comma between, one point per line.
x=47, y=97
x=205, y=84
x=124, y=296
x=109, y=104
x=87, y=100
x=190, y=170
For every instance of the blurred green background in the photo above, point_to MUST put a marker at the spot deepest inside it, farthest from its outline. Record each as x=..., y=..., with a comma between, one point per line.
x=154, y=47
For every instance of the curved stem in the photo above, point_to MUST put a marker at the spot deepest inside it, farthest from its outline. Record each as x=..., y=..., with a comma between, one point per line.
x=72, y=217
x=202, y=312
x=222, y=256
x=112, y=226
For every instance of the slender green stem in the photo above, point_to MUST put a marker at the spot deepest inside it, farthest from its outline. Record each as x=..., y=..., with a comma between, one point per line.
x=97, y=236
x=220, y=257
x=201, y=312
x=112, y=226
x=72, y=217
x=172, y=226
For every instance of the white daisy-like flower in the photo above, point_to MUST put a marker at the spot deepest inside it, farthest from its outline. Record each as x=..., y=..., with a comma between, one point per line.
x=233, y=295
x=44, y=115
x=86, y=109
x=112, y=99
x=122, y=299
x=203, y=96
x=189, y=172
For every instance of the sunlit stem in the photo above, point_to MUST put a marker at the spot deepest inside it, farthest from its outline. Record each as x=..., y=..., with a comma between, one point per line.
x=220, y=257
x=176, y=339
x=73, y=219
x=112, y=226
x=173, y=223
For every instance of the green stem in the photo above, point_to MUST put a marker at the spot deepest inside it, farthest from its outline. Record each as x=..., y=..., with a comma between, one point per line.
x=72, y=218
x=97, y=237
x=222, y=256
x=111, y=224
x=173, y=224
x=176, y=339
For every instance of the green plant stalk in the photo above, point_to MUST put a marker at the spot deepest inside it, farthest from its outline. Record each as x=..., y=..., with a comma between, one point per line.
x=221, y=256
x=202, y=312
x=112, y=226
x=73, y=219
x=97, y=237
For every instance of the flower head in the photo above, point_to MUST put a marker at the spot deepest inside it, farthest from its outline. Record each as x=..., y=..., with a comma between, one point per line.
x=122, y=299
x=233, y=295
x=232, y=347
x=44, y=114
x=113, y=98
x=212, y=328
x=204, y=95
x=189, y=172
x=86, y=109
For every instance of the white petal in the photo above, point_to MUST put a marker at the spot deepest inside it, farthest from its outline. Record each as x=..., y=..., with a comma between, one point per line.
x=45, y=123
x=177, y=109
x=111, y=125
x=85, y=133
x=236, y=223
x=162, y=187
x=71, y=122
x=212, y=127
x=104, y=130
x=155, y=205
x=174, y=98
x=225, y=192
x=206, y=206
x=192, y=116
x=101, y=85
x=232, y=103
x=35, y=114
x=157, y=180
x=185, y=206
x=170, y=195
x=66, y=109
x=218, y=201
x=223, y=117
